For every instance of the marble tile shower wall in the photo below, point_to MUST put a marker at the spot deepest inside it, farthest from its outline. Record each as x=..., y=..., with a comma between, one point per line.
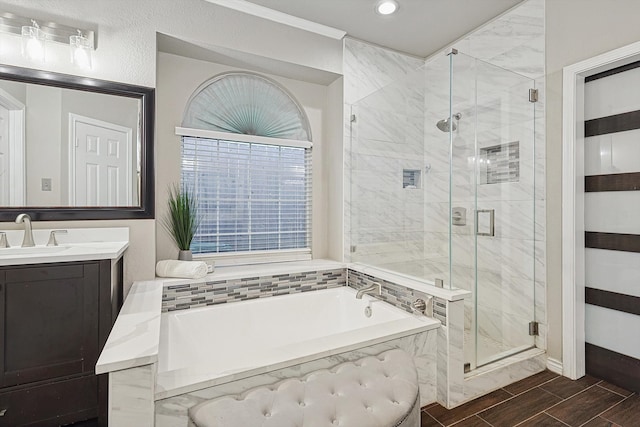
x=386, y=138
x=512, y=264
x=193, y=295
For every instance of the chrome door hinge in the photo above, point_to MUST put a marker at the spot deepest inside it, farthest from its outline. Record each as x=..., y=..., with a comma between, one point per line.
x=533, y=95
x=533, y=328
x=353, y=118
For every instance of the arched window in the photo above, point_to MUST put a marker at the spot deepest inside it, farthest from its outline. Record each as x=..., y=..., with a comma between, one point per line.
x=246, y=152
x=248, y=104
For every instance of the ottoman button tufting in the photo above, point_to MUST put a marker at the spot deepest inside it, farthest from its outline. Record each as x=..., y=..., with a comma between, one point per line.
x=392, y=398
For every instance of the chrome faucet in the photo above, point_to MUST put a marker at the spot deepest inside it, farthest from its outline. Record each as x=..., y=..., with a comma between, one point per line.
x=28, y=233
x=373, y=288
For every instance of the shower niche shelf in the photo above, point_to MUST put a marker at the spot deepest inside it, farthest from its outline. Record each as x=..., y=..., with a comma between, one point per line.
x=500, y=163
x=411, y=179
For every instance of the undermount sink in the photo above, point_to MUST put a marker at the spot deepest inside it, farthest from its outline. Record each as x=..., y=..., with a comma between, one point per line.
x=32, y=250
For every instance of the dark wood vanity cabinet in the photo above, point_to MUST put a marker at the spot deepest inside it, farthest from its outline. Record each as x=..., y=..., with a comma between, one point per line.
x=54, y=321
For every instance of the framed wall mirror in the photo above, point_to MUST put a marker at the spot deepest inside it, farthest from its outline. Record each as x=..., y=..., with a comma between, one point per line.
x=74, y=148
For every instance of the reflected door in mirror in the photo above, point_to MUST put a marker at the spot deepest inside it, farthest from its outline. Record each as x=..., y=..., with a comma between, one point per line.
x=4, y=156
x=101, y=169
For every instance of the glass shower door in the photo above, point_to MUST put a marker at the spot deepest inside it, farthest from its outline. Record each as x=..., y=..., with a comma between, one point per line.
x=493, y=178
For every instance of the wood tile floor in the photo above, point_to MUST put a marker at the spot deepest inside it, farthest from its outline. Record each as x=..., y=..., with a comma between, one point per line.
x=544, y=399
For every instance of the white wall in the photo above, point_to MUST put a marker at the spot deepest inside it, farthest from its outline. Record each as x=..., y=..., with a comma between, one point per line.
x=126, y=52
x=43, y=153
x=334, y=170
x=576, y=30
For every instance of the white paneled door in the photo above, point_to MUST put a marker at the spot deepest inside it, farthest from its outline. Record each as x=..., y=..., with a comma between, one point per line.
x=100, y=163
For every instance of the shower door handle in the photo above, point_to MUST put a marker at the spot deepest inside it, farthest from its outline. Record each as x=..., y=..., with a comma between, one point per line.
x=485, y=222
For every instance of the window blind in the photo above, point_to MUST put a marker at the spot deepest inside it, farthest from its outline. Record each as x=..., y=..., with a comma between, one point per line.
x=251, y=196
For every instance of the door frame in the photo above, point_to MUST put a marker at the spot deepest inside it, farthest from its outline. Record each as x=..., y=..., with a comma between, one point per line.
x=73, y=120
x=16, y=144
x=573, y=263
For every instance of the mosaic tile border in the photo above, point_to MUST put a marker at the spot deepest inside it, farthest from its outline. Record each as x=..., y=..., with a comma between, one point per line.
x=193, y=295
x=395, y=294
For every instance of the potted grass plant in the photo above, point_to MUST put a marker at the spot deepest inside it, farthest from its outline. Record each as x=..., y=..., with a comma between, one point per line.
x=181, y=220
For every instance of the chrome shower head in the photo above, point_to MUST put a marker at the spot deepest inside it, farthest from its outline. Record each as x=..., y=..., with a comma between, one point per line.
x=445, y=126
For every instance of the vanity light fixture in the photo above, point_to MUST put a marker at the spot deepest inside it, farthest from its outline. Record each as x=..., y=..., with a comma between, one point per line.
x=33, y=42
x=387, y=7
x=81, y=48
x=36, y=35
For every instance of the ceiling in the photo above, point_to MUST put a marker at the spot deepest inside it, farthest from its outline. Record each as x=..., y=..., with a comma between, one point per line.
x=419, y=27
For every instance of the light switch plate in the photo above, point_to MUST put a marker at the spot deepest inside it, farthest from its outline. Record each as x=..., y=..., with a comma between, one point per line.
x=46, y=184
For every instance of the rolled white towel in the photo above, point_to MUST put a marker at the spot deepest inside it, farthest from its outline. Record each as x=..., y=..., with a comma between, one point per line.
x=181, y=269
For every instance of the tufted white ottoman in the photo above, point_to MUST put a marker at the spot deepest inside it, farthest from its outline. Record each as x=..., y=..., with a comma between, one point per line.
x=375, y=391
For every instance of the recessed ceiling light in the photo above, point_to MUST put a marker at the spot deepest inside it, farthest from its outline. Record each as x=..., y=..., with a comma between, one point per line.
x=387, y=7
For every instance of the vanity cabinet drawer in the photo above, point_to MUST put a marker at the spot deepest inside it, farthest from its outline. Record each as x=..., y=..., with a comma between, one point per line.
x=52, y=404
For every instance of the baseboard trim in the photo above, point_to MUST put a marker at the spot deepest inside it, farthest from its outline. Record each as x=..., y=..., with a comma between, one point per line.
x=616, y=368
x=554, y=365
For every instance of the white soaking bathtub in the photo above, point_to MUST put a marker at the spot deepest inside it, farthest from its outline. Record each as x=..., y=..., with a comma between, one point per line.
x=204, y=347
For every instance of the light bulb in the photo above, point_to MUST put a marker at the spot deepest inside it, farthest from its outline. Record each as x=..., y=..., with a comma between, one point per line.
x=387, y=7
x=81, y=51
x=33, y=40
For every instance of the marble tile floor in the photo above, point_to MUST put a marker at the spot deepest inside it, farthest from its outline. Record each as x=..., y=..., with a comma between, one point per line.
x=544, y=399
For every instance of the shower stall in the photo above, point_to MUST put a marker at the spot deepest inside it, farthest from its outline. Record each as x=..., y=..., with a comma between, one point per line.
x=442, y=188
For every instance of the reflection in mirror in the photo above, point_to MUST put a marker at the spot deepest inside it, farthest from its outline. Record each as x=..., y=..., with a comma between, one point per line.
x=73, y=147
x=79, y=148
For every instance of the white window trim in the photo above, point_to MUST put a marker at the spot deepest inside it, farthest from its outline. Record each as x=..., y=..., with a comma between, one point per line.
x=239, y=137
x=251, y=257
x=227, y=259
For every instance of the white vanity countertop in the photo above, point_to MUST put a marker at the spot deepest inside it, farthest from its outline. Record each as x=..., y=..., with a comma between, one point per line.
x=135, y=336
x=79, y=244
